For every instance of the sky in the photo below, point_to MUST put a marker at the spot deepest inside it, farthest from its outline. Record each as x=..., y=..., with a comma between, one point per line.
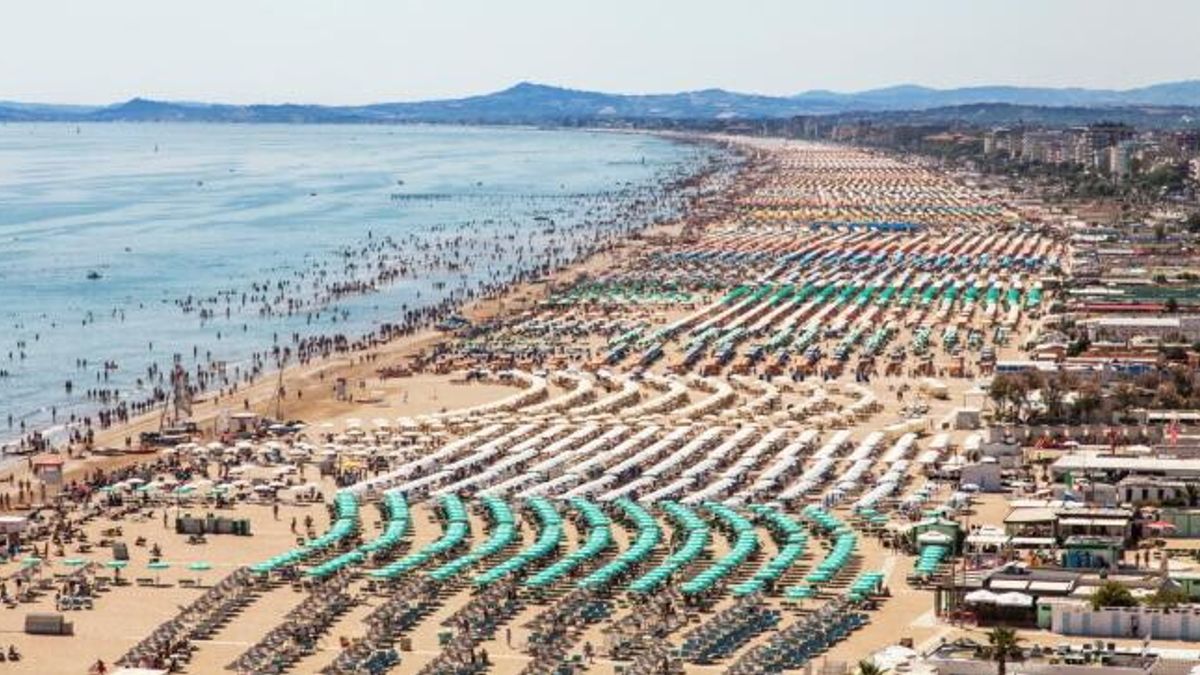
x=362, y=51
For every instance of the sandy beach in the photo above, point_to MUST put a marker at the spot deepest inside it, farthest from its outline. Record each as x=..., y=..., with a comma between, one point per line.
x=708, y=448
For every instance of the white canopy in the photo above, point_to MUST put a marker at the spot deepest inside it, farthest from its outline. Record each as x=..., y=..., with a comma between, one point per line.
x=980, y=597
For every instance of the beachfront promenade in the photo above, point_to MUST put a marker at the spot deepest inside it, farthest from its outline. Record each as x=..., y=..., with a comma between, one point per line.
x=703, y=449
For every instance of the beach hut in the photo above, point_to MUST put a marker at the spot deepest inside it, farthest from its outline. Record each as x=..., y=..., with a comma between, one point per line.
x=48, y=467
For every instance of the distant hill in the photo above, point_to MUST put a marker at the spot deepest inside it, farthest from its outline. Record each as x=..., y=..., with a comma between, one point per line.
x=995, y=114
x=529, y=103
x=914, y=97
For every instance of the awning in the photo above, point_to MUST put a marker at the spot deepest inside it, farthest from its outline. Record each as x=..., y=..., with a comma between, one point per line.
x=980, y=597
x=1050, y=586
x=1031, y=515
x=933, y=537
x=1093, y=522
x=1036, y=542
x=1014, y=599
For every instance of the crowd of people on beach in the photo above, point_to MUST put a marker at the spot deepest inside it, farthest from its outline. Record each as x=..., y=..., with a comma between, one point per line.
x=451, y=263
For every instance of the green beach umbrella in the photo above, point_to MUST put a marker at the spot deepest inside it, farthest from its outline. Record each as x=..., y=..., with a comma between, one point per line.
x=158, y=566
x=198, y=567
x=30, y=561
x=117, y=564
x=74, y=562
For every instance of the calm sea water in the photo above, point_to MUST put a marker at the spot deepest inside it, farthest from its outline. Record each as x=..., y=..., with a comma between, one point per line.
x=165, y=212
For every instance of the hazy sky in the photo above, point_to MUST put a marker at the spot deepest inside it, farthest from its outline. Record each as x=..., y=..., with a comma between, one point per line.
x=357, y=51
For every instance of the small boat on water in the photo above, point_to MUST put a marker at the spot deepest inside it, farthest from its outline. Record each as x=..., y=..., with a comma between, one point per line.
x=93, y=275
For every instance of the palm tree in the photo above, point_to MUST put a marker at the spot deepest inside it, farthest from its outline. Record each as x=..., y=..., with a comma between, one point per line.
x=1003, y=644
x=866, y=667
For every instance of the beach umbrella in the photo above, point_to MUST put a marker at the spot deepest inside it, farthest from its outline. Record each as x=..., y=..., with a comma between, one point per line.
x=198, y=567
x=74, y=562
x=116, y=566
x=158, y=566
x=31, y=561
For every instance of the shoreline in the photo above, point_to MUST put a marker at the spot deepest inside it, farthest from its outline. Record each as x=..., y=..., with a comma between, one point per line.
x=380, y=301
x=361, y=365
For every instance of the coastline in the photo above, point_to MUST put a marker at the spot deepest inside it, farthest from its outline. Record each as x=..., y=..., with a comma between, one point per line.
x=312, y=380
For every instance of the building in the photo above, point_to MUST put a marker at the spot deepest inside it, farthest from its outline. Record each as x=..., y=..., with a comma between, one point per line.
x=1002, y=141
x=1183, y=328
x=1120, y=158
x=1047, y=146
x=1092, y=143
x=1149, y=490
x=984, y=475
x=1180, y=623
x=1094, y=464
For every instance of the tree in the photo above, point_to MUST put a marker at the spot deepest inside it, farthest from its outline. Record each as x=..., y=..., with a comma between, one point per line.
x=1193, y=222
x=1112, y=594
x=998, y=391
x=1018, y=394
x=1125, y=396
x=866, y=667
x=1052, y=396
x=1003, y=645
x=1168, y=596
x=1087, y=401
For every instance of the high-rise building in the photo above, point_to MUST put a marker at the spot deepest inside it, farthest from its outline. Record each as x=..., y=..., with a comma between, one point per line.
x=1093, y=142
x=1002, y=141
x=1120, y=158
x=1047, y=146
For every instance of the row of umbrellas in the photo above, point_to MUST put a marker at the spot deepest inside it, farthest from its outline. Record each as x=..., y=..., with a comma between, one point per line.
x=158, y=565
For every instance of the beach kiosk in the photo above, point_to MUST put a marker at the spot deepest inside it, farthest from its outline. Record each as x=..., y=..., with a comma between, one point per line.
x=244, y=422
x=11, y=528
x=935, y=531
x=1091, y=552
x=48, y=468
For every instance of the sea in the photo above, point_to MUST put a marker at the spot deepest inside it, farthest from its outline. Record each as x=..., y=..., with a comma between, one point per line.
x=128, y=246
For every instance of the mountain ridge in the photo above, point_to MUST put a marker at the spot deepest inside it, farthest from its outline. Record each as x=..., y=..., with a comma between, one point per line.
x=535, y=103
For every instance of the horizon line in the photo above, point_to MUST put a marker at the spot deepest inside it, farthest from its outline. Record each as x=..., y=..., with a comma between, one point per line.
x=901, y=85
